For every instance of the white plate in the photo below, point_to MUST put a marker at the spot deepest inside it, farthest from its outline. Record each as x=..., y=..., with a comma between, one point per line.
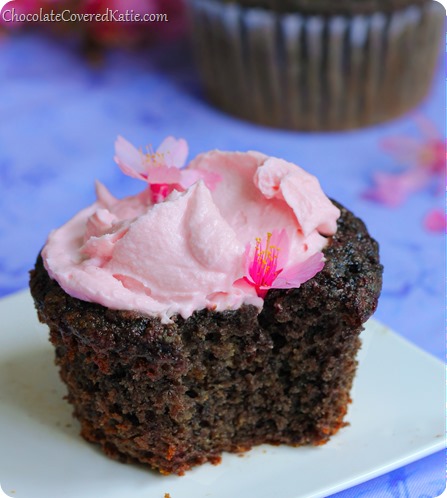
x=397, y=416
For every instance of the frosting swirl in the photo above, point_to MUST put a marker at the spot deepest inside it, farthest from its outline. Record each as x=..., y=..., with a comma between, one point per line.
x=262, y=225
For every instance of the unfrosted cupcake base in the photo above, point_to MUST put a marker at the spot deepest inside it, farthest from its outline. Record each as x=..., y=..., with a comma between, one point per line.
x=316, y=73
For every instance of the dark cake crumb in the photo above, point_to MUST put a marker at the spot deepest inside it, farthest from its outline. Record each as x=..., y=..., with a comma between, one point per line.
x=178, y=395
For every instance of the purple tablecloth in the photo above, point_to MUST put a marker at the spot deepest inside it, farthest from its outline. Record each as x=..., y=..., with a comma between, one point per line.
x=60, y=117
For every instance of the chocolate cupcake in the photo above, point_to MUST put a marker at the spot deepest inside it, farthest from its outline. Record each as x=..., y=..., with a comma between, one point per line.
x=317, y=65
x=180, y=336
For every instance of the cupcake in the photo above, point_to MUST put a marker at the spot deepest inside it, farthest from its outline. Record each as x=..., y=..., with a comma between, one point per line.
x=316, y=65
x=217, y=310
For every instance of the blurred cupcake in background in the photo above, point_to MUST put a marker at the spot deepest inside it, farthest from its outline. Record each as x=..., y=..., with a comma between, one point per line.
x=316, y=65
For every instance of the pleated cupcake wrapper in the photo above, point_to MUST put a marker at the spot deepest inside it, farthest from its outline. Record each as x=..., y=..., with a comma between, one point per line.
x=313, y=72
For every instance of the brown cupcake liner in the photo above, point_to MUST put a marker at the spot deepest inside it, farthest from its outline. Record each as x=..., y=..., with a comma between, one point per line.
x=329, y=7
x=314, y=72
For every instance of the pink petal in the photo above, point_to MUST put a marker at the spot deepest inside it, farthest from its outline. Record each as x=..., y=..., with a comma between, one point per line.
x=163, y=174
x=299, y=273
x=435, y=156
x=428, y=151
x=393, y=190
x=248, y=259
x=174, y=152
x=435, y=221
x=191, y=176
x=245, y=285
x=130, y=159
x=280, y=239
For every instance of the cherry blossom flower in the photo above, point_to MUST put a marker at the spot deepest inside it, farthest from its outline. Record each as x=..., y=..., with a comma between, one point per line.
x=161, y=169
x=392, y=190
x=267, y=265
x=424, y=162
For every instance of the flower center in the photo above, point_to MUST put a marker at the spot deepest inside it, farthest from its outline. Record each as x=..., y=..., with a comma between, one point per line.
x=154, y=158
x=263, y=269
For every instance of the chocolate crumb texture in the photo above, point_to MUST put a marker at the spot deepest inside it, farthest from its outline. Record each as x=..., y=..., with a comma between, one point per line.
x=178, y=395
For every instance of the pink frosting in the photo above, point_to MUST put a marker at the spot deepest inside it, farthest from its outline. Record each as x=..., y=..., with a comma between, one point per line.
x=189, y=252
